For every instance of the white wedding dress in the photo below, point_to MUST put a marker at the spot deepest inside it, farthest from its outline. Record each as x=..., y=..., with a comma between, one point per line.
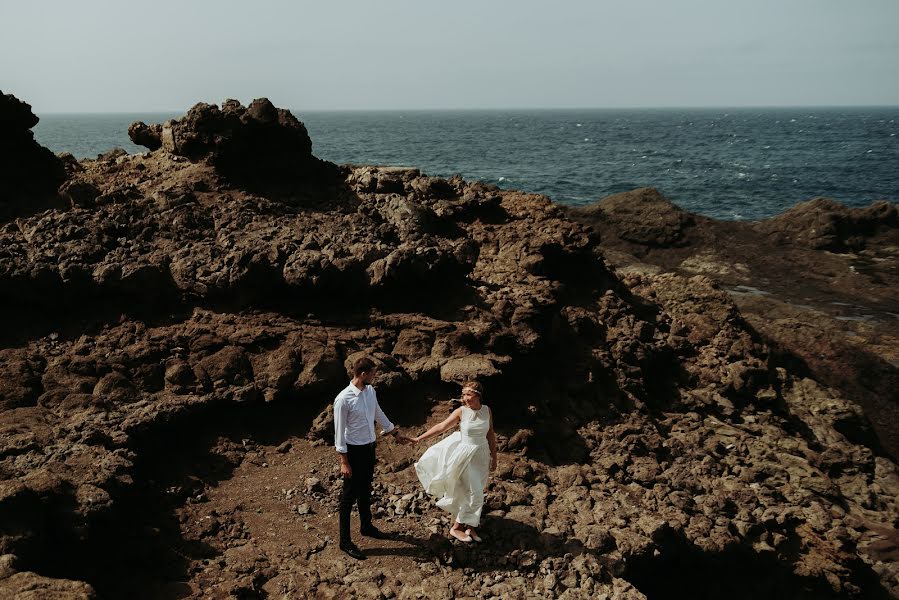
x=455, y=469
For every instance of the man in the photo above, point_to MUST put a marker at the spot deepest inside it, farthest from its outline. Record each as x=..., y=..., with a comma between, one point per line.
x=356, y=409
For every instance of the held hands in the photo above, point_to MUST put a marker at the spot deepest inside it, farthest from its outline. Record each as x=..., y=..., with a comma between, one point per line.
x=398, y=437
x=493, y=463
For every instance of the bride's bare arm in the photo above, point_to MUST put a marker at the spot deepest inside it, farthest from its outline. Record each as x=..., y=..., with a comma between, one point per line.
x=445, y=425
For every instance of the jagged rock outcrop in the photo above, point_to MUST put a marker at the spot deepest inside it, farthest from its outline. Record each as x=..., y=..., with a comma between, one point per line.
x=643, y=220
x=29, y=173
x=248, y=144
x=643, y=217
x=149, y=136
x=823, y=224
x=819, y=282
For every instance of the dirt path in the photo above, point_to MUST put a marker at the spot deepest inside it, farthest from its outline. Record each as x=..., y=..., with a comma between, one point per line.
x=274, y=523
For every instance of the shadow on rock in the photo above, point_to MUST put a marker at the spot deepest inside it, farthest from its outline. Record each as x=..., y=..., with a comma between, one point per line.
x=508, y=545
x=683, y=570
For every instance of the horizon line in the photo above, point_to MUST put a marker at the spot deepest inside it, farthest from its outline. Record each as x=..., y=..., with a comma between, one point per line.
x=501, y=109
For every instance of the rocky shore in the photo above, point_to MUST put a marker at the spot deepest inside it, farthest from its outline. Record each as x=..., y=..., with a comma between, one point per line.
x=819, y=282
x=683, y=408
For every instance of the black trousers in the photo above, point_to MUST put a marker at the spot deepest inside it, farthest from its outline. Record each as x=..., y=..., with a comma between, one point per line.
x=357, y=489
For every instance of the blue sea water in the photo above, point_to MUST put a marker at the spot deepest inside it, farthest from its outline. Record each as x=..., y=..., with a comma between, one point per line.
x=723, y=163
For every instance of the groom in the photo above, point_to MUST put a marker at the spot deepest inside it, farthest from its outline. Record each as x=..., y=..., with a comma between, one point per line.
x=356, y=409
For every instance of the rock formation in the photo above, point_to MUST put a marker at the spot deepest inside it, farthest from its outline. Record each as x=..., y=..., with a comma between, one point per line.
x=823, y=224
x=248, y=144
x=172, y=343
x=29, y=173
x=819, y=282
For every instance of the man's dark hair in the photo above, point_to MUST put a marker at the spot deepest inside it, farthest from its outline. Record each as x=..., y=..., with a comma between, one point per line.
x=362, y=365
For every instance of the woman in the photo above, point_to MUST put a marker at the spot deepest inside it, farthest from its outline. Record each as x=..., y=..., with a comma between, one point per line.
x=455, y=469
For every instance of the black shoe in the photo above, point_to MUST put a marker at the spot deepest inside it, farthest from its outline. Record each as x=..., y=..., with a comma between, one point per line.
x=351, y=549
x=373, y=532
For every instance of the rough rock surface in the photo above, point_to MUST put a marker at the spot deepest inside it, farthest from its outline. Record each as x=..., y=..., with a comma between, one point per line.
x=818, y=282
x=823, y=224
x=171, y=348
x=249, y=144
x=29, y=173
x=642, y=217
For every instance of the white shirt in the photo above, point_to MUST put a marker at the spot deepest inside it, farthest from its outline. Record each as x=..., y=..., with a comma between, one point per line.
x=355, y=412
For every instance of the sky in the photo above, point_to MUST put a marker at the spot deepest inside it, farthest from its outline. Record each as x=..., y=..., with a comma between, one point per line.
x=165, y=55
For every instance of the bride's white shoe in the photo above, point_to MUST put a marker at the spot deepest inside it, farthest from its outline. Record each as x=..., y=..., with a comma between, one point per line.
x=460, y=535
x=473, y=535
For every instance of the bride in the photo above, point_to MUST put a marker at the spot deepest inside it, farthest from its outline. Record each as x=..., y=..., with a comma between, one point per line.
x=455, y=469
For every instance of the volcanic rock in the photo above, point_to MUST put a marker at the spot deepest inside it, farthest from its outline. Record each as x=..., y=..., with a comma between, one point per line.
x=823, y=224
x=29, y=173
x=149, y=136
x=171, y=351
x=642, y=216
x=248, y=144
x=818, y=282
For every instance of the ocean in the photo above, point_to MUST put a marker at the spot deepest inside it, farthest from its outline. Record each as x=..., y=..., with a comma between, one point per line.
x=732, y=164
